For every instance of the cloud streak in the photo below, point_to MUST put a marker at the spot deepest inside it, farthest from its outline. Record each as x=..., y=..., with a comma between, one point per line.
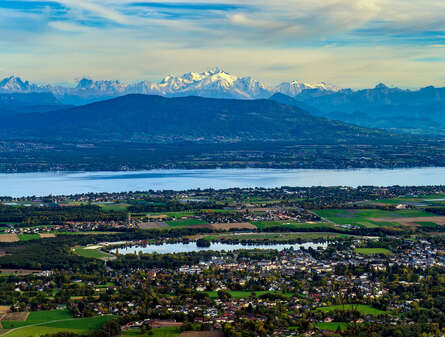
x=138, y=35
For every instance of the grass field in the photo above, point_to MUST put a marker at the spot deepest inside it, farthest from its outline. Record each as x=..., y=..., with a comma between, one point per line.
x=159, y=332
x=116, y=207
x=361, y=217
x=79, y=326
x=185, y=222
x=90, y=253
x=27, y=237
x=291, y=224
x=175, y=215
x=373, y=251
x=84, y=233
x=277, y=237
x=37, y=317
x=433, y=199
x=362, y=308
x=428, y=224
x=332, y=326
x=244, y=294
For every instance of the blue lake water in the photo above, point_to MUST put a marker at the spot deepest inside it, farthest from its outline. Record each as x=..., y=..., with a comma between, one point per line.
x=57, y=183
x=167, y=248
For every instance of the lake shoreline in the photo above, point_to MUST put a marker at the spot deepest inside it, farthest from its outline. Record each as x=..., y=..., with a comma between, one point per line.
x=66, y=183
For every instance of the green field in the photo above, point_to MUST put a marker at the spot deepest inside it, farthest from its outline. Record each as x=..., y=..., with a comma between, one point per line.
x=332, y=326
x=290, y=224
x=27, y=237
x=277, y=237
x=361, y=217
x=428, y=224
x=362, y=308
x=185, y=222
x=373, y=251
x=159, y=332
x=90, y=253
x=84, y=233
x=37, y=317
x=116, y=207
x=174, y=214
x=432, y=199
x=244, y=294
x=79, y=326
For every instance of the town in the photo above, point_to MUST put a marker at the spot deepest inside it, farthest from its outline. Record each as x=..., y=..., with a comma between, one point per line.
x=367, y=261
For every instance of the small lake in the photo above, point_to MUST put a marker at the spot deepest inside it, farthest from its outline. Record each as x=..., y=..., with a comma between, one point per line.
x=167, y=248
x=58, y=183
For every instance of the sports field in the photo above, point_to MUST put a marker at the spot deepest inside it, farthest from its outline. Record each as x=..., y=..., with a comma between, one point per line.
x=373, y=251
x=91, y=253
x=362, y=308
x=332, y=326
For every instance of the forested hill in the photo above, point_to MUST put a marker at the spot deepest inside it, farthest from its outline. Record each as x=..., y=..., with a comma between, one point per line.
x=145, y=118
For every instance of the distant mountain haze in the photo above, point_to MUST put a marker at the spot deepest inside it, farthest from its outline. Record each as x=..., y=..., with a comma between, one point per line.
x=20, y=103
x=421, y=112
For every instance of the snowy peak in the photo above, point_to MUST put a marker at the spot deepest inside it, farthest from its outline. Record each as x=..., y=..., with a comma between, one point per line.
x=295, y=88
x=106, y=87
x=15, y=84
x=215, y=83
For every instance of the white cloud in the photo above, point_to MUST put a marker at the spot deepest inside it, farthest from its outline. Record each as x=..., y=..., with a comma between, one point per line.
x=98, y=9
x=68, y=26
x=347, y=42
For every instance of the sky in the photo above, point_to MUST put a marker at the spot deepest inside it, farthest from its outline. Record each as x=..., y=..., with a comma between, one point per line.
x=350, y=43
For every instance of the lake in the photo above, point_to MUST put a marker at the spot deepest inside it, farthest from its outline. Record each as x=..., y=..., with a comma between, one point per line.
x=58, y=183
x=216, y=246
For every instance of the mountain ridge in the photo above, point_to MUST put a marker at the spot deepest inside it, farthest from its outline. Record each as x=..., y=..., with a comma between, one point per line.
x=151, y=118
x=214, y=83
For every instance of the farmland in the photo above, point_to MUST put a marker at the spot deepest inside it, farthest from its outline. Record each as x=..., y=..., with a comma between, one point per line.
x=371, y=218
x=9, y=238
x=276, y=237
x=185, y=222
x=202, y=334
x=27, y=237
x=78, y=325
x=284, y=271
x=37, y=317
x=291, y=225
x=157, y=332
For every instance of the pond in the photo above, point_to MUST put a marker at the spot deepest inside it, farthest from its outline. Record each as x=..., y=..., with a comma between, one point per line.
x=167, y=248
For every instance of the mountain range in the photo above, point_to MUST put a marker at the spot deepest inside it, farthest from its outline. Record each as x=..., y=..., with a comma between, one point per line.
x=420, y=112
x=214, y=83
x=397, y=110
x=157, y=119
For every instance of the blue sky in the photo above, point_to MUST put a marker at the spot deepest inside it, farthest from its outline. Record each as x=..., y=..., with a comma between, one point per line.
x=351, y=43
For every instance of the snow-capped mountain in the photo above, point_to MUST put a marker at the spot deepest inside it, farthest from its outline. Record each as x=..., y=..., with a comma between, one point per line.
x=214, y=83
x=295, y=88
x=15, y=84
